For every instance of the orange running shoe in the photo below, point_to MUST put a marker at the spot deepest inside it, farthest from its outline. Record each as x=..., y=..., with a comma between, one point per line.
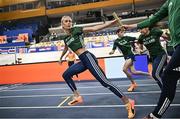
x=76, y=100
x=131, y=109
x=132, y=87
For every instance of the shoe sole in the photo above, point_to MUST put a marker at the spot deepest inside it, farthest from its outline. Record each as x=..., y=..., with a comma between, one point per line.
x=75, y=102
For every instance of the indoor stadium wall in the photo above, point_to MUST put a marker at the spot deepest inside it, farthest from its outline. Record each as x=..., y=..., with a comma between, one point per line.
x=52, y=71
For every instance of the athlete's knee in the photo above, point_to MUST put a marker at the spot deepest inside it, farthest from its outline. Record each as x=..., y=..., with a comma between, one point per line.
x=125, y=70
x=167, y=72
x=170, y=75
x=66, y=75
x=134, y=72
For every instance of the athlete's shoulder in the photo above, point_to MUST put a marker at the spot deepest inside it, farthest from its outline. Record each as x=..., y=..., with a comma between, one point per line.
x=130, y=37
x=77, y=29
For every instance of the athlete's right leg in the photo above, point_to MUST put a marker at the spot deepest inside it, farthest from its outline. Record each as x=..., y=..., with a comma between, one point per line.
x=67, y=75
x=170, y=76
x=91, y=63
x=127, y=65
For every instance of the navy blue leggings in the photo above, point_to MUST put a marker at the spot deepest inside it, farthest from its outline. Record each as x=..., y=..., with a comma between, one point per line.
x=170, y=77
x=88, y=61
x=158, y=64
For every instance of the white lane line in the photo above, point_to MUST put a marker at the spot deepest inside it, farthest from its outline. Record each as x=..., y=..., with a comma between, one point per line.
x=146, y=83
x=12, y=87
x=83, y=94
x=87, y=106
x=63, y=101
x=101, y=106
x=87, y=87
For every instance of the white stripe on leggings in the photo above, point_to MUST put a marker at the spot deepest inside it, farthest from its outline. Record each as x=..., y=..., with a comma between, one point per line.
x=102, y=75
x=99, y=72
x=94, y=64
x=164, y=106
x=160, y=66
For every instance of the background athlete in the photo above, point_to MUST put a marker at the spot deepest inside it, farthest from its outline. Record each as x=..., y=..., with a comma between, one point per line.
x=124, y=44
x=171, y=74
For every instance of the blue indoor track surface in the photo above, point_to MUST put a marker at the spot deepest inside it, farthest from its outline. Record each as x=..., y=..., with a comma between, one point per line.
x=49, y=100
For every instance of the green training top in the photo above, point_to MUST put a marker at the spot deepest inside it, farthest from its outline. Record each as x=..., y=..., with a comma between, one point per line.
x=75, y=41
x=171, y=8
x=152, y=42
x=124, y=44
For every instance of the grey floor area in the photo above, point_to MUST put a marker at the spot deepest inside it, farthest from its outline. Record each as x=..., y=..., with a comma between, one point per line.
x=49, y=100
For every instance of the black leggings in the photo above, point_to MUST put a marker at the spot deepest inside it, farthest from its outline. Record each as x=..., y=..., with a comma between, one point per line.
x=169, y=78
x=88, y=61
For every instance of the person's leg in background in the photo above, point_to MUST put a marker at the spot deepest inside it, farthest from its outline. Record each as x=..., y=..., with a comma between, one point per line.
x=158, y=65
x=128, y=63
x=149, y=65
x=137, y=72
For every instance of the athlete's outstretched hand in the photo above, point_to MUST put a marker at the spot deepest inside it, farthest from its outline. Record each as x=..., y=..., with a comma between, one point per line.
x=112, y=52
x=131, y=26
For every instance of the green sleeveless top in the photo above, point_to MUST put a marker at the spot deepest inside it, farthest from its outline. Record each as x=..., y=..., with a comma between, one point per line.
x=75, y=41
